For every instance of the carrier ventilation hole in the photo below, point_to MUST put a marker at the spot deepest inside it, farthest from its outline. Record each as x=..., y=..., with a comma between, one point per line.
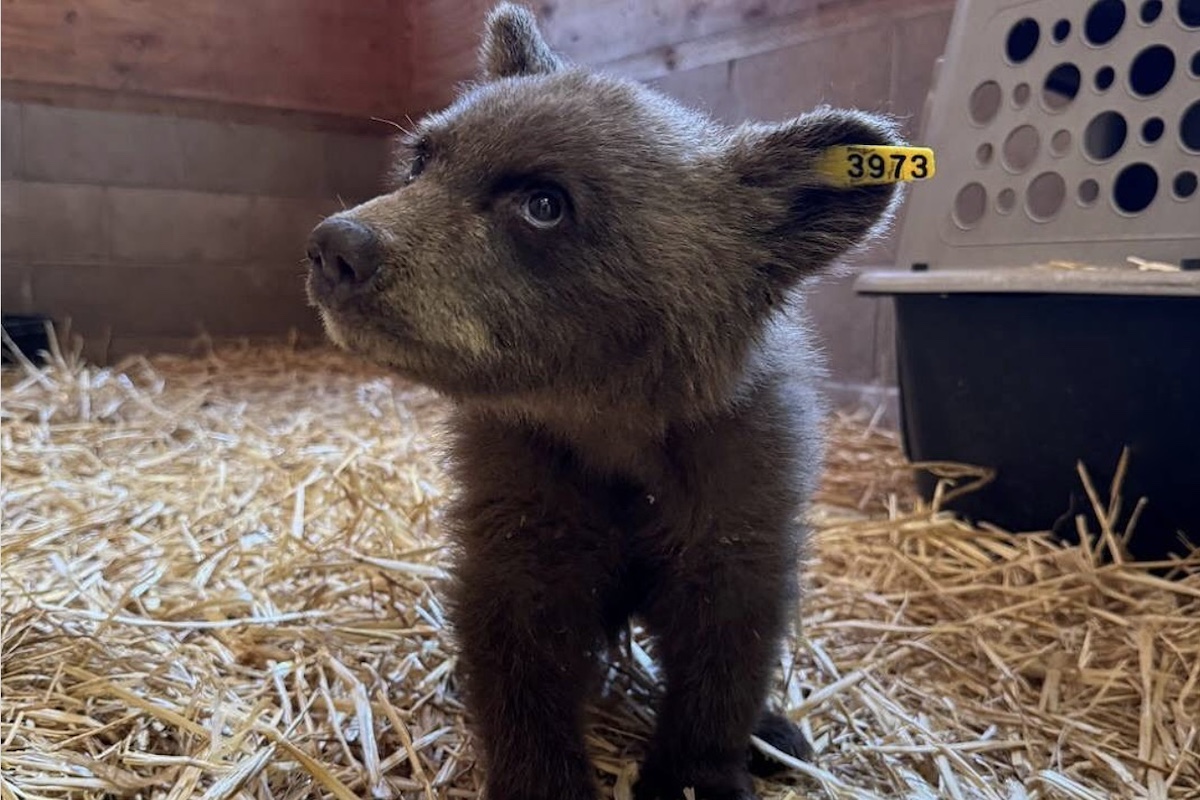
x=1022, y=40
x=985, y=102
x=983, y=154
x=1151, y=70
x=1104, y=78
x=1189, y=127
x=1021, y=95
x=1105, y=135
x=1045, y=196
x=1104, y=21
x=969, y=205
x=1184, y=185
x=1195, y=67
x=1151, y=11
x=1061, y=86
x=1135, y=188
x=1152, y=130
x=1006, y=200
x=1062, y=29
x=1060, y=142
x=1089, y=191
x=1021, y=148
x=1189, y=13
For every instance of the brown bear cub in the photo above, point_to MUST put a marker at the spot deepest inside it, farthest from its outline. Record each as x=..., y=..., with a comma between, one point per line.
x=602, y=282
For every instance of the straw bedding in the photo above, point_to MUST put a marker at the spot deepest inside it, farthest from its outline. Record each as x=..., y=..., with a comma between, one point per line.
x=221, y=579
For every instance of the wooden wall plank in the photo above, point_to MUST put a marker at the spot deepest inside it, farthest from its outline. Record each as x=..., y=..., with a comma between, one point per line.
x=377, y=57
x=445, y=43
x=312, y=55
x=609, y=30
x=642, y=38
x=805, y=21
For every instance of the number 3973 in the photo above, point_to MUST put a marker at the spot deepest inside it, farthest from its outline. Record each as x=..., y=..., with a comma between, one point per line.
x=868, y=165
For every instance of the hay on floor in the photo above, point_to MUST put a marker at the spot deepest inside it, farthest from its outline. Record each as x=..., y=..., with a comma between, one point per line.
x=221, y=580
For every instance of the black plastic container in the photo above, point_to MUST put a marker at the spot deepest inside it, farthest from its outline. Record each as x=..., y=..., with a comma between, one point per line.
x=1031, y=382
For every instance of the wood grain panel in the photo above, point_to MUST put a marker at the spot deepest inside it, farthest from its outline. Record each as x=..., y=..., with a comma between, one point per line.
x=599, y=32
x=377, y=57
x=445, y=43
x=312, y=55
x=644, y=39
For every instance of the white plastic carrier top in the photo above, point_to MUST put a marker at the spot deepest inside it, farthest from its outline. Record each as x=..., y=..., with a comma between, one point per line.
x=1064, y=130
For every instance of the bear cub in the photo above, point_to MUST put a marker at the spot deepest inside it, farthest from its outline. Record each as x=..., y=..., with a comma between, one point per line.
x=602, y=282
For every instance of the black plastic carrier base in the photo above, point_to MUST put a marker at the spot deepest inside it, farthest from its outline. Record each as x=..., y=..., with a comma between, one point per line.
x=1031, y=382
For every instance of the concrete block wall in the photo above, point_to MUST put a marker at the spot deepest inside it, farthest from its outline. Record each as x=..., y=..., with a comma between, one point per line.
x=146, y=228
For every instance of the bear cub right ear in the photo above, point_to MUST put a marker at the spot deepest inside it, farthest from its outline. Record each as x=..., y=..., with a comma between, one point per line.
x=513, y=45
x=804, y=222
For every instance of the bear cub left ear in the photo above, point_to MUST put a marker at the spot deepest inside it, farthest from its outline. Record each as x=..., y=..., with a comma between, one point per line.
x=513, y=45
x=804, y=222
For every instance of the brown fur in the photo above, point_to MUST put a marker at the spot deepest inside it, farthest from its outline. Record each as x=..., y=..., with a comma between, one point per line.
x=637, y=424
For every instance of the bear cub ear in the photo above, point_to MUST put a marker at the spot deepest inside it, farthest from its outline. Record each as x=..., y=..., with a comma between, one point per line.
x=513, y=45
x=805, y=223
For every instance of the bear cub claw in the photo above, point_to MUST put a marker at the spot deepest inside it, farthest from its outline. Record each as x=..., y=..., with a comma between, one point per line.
x=732, y=782
x=709, y=783
x=785, y=736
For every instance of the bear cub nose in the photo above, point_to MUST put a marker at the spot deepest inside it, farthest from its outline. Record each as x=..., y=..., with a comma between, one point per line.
x=344, y=252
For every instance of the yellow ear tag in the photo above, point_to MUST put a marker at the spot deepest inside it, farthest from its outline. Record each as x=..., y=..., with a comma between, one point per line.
x=848, y=166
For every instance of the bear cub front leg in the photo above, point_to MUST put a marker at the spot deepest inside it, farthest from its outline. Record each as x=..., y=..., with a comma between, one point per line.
x=527, y=671
x=536, y=565
x=718, y=627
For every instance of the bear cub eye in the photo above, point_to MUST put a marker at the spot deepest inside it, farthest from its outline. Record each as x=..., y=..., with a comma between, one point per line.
x=416, y=167
x=543, y=208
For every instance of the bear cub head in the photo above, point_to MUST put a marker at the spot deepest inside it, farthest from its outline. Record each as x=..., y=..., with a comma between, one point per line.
x=560, y=235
